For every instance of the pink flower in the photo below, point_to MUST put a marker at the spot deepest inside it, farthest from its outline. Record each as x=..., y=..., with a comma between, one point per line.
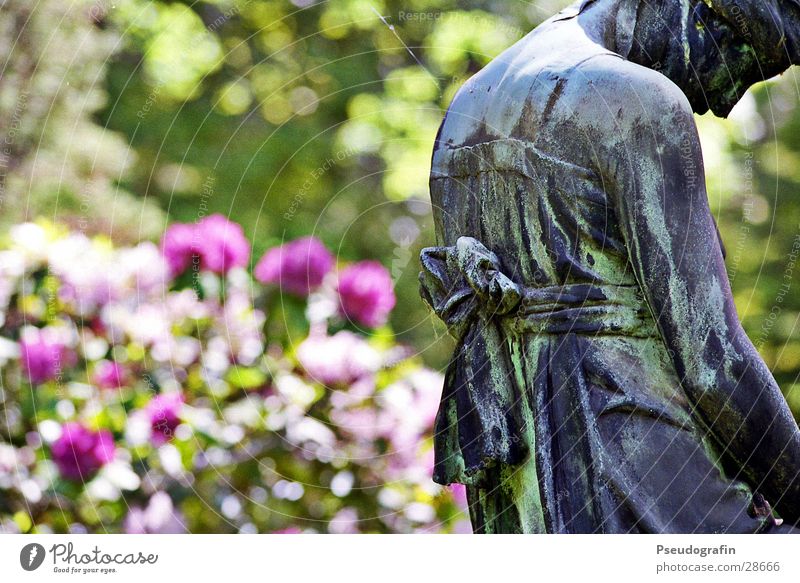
x=216, y=243
x=361, y=425
x=340, y=359
x=109, y=375
x=164, y=414
x=366, y=293
x=159, y=517
x=43, y=356
x=222, y=244
x=79, y=452
x=289, y=530
x=298, y=267
x=459, y=494
x=344, y=522
x=179, y=245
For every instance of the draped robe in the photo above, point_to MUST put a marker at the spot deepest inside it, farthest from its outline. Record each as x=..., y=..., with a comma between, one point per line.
x=563, y=408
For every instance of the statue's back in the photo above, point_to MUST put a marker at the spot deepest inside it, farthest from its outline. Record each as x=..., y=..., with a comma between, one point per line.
x=562, y=410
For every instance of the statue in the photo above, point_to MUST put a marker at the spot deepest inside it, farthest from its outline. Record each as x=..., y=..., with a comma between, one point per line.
x=602, y=382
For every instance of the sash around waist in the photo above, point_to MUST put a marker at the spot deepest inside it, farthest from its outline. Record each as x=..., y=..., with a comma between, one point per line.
x=481, y=421
x=465, y=284
x=581, y=309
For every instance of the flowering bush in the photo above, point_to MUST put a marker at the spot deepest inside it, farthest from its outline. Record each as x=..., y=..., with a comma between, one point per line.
x=152, y=390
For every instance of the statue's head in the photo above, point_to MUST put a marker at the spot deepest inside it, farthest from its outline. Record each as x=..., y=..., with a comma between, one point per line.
x=717, y=48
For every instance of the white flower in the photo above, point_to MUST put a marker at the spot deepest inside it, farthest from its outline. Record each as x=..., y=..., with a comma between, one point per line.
x=88, y=271
x=142, y=269
x=9, y=350
x=295, y=391
x=32, y=241
x=12, y=268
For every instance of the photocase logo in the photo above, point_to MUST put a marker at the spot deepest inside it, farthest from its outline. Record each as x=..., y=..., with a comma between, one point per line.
x=31, y=556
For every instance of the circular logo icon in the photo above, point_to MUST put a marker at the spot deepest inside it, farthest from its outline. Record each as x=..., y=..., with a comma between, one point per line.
x=31, y=556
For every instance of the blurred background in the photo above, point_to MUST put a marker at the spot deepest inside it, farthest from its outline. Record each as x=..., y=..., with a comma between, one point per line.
x=292, y=119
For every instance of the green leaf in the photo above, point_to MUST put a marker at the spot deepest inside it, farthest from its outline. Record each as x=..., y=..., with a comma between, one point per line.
x=246, y=377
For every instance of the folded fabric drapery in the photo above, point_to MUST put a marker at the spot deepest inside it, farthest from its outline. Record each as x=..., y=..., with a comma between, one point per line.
x=480, y=423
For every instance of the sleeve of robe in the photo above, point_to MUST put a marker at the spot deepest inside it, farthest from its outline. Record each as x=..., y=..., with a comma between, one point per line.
x=655, y=168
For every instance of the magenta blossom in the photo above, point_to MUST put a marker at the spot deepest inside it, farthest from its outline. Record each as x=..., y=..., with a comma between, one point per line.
x=222, y=244
x=79, y=452
x=179, y=246
x=164, y=414
x=366, y=293
x=109, y=375
x=215, y=244
x=298, y=267
x=43, y=356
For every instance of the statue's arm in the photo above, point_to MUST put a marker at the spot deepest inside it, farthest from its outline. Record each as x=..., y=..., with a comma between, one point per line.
x=655, y=164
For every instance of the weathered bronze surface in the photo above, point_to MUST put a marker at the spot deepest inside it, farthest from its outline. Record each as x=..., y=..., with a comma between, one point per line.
x=602, y=381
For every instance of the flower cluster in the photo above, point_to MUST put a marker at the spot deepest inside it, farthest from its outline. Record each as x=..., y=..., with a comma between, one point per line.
x=139, y=399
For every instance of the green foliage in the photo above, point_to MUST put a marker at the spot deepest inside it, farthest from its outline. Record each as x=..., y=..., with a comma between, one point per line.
x=55, y=160
x=302, y=119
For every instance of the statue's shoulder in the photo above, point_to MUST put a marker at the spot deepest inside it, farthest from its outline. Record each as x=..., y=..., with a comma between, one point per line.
x=544, y=83
x=541, y=63
x=629, y=91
